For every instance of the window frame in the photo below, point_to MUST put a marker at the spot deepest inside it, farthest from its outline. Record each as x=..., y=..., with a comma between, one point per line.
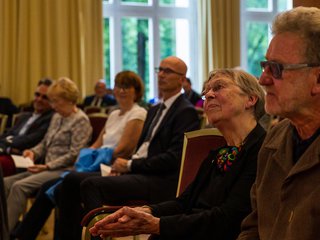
x=115, y=11
x=256, y=15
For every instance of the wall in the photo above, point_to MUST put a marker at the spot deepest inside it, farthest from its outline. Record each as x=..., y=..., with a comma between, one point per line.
x=306, y=3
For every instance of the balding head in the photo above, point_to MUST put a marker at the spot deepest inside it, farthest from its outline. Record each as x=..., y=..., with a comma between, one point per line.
x=176, y=64
x=171, y=75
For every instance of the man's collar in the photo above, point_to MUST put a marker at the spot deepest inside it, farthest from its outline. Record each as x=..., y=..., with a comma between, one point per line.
x=171, y=100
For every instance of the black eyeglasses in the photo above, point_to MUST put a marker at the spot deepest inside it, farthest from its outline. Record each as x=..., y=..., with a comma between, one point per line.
x=43, y=96
x=45, y=81
x=166, y=70
x=277, y=68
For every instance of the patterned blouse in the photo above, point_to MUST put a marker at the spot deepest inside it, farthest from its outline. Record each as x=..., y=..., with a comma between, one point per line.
x=64, y=139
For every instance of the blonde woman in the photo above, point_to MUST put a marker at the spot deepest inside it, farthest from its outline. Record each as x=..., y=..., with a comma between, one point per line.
x=69, y=131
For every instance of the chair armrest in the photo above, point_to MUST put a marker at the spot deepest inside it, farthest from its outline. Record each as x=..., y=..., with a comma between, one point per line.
x=96, y=214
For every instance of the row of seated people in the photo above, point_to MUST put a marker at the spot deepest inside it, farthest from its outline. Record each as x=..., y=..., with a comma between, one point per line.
x=151, y=173
x=30, y=125
x=73, y=135
x=285, y=195
x=101, y=101
x=13, y=180
x=180, y=116
x=216, y=202
x=67, y=187
x=22, y=134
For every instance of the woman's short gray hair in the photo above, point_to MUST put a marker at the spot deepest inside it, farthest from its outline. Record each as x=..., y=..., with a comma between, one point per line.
x=64, y=88
x=248, y=84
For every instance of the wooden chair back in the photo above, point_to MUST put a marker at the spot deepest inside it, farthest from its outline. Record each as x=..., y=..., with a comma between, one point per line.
x=97, y=121
x=91, y=109
x=17, y=117
x=196, y=147
x=3, y=122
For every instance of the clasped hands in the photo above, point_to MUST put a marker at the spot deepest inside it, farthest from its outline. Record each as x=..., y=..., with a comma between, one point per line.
x=127, y=222
x=119, y=166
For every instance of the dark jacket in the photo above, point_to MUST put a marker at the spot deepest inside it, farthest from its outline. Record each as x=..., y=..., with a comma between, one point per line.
x=192, y=96
x=222, y=207
x=165, y=149
x=106, y=101
x=32, y=136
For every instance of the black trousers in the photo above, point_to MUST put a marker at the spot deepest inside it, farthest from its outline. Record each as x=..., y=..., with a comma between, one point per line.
x=114, y=190
x=93, y=192
x=70, y=210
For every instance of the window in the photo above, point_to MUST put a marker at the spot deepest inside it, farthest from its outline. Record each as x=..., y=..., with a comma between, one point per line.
x=139, y=33
x=256, y=19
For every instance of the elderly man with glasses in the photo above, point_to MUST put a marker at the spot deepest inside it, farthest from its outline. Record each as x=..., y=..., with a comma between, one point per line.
x=29, y=129
x=285, y=196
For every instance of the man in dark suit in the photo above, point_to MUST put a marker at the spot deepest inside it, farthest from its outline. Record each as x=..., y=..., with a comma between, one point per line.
x=152, y=173
x=100, y=98
x=189, y=93
x=29, y=130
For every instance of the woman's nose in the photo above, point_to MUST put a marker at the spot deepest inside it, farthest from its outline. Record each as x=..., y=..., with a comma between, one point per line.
x=210, y=94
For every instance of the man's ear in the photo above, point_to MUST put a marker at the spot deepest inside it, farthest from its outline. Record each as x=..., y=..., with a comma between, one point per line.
x=251, y=101
x=183, y=79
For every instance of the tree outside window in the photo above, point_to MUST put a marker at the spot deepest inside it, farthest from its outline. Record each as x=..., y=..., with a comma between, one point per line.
x=139, y=33
x=256, y=19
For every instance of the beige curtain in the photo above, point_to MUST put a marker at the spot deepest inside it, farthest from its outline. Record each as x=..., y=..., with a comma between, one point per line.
x=219, y=38
x=49, y=38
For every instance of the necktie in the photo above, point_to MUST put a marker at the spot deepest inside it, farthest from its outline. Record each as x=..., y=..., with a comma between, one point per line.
x=155, y=121
x=96, y=102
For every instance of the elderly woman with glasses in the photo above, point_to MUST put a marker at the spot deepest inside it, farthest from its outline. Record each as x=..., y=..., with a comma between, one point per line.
x=69, y=131
x=215, y=203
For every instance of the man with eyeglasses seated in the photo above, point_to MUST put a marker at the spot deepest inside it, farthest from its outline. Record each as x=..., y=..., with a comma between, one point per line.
x=152, y=172
x=29, y=129
x=285, y=197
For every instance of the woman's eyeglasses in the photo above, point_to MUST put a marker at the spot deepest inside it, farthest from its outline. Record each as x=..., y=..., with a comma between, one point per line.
x=277, y=68
x=43, y=96
x=123, y=86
